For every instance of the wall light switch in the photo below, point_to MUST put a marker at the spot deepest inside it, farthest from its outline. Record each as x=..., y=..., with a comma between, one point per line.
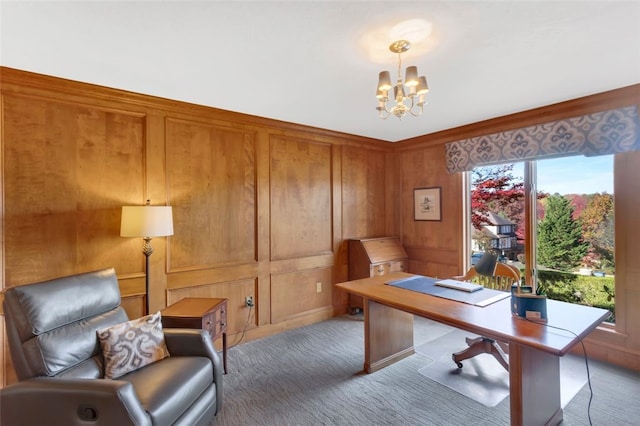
x=318, y=287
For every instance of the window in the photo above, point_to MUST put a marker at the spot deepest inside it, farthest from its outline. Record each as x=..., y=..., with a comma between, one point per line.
x=571, y=224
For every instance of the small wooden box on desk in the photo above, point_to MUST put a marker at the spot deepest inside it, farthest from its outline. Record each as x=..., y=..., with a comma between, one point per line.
x=201, y=313
x=369, y=257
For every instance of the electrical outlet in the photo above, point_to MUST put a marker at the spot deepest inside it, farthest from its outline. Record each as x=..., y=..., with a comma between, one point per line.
x=318, y=287
x=248, y=301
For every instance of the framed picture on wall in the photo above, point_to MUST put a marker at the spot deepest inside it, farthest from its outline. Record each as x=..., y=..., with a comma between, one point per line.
x=427, y=204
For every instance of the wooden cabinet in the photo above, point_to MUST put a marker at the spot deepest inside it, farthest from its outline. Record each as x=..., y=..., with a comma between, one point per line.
x=201, y=313
x=369, y=257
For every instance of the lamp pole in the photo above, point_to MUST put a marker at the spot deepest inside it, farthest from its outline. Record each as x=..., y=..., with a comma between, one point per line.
x=147, y=250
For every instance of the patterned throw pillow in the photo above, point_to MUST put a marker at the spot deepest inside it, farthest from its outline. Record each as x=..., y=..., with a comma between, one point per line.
x=132, y=345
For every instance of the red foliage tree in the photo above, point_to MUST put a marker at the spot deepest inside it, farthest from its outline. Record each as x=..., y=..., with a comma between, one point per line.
x=495, y=189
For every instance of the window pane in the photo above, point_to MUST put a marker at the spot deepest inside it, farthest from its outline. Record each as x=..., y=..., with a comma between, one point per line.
x=575, y=230
x=497, y=212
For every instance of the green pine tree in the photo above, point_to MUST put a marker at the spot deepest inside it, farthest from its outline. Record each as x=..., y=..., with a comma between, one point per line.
x=560, y=243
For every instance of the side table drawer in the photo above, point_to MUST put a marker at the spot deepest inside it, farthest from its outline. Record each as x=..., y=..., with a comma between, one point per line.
x=221, y=324
x=215, y=322
x=209, y=323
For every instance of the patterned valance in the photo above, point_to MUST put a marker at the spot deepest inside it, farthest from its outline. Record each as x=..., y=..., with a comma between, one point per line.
x=600, y=133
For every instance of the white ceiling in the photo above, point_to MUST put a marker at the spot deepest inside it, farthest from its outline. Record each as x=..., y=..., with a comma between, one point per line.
x=317, y=62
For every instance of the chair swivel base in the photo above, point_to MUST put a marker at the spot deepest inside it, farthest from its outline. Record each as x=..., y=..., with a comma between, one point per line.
x=481, y=345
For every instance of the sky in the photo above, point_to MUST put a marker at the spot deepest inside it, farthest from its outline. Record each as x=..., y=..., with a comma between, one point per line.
x=574, y=175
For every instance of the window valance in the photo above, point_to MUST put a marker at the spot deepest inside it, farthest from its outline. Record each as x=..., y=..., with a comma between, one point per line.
x=600, y=133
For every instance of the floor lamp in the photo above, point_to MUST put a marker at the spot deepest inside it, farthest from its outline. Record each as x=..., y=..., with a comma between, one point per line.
x=146, y=221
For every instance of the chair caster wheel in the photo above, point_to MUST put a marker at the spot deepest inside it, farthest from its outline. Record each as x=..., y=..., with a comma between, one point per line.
x=458, y=363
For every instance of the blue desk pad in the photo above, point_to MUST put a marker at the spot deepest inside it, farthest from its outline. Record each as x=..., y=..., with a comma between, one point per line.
x=427, y=285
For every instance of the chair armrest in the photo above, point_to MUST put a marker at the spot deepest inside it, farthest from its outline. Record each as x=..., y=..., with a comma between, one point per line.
x=56, y=401
x=194, y=342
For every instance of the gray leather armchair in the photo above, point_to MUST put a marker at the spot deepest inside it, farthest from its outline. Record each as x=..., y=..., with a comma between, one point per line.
x=51, y=331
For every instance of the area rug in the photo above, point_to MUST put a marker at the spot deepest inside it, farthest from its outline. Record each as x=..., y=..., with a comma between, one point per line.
x=482, y=378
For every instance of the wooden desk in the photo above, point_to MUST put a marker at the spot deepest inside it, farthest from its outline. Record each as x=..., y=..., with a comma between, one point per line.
x=534, y=349
x=202, y=313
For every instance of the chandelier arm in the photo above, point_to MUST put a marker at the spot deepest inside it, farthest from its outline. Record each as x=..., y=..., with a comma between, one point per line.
x=381, y=113
x=420, y=108
x=418, y=113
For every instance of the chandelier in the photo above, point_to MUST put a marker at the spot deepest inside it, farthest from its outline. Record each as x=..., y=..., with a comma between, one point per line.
x=416, y=86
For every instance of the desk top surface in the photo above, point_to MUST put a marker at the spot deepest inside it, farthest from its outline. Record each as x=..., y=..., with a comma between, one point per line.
x=493, y=321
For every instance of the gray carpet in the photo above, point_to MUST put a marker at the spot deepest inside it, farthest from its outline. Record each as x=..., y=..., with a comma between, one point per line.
x=482, y=378
x=313, y=376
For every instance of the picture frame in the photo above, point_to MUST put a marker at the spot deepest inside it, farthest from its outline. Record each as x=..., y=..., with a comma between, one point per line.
x=427, y=204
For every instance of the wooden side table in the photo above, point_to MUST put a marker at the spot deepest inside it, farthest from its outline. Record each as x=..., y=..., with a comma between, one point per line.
x=202, y=313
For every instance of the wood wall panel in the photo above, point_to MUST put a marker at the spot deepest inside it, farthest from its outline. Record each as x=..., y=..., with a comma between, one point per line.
x=433, y=246
x=211, y=179
x=68, y=170
x=627, y=218
x=301, y=190
x=363, y=195
x=294, y=293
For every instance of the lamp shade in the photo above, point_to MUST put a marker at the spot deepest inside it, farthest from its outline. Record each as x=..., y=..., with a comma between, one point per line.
x=384, y=81
x=146, y=221
x=487, y=264
x=411, y=79
x=423, y=86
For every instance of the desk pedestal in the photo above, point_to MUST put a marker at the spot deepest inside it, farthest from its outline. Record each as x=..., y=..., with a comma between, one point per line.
x=534, y=386
x=388, y=335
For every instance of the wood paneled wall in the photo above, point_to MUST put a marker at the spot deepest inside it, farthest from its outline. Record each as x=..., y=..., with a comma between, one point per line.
x=257, y=204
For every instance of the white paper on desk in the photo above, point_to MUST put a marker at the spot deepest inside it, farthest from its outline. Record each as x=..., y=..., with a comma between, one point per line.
x=459, y=285
x=493, y=299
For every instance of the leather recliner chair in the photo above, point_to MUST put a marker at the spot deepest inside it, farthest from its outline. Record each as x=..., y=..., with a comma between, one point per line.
x=51, y=331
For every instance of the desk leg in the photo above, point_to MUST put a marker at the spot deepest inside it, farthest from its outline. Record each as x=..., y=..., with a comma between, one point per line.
x=388, y=335
x=224, y=352
x=534, y=386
